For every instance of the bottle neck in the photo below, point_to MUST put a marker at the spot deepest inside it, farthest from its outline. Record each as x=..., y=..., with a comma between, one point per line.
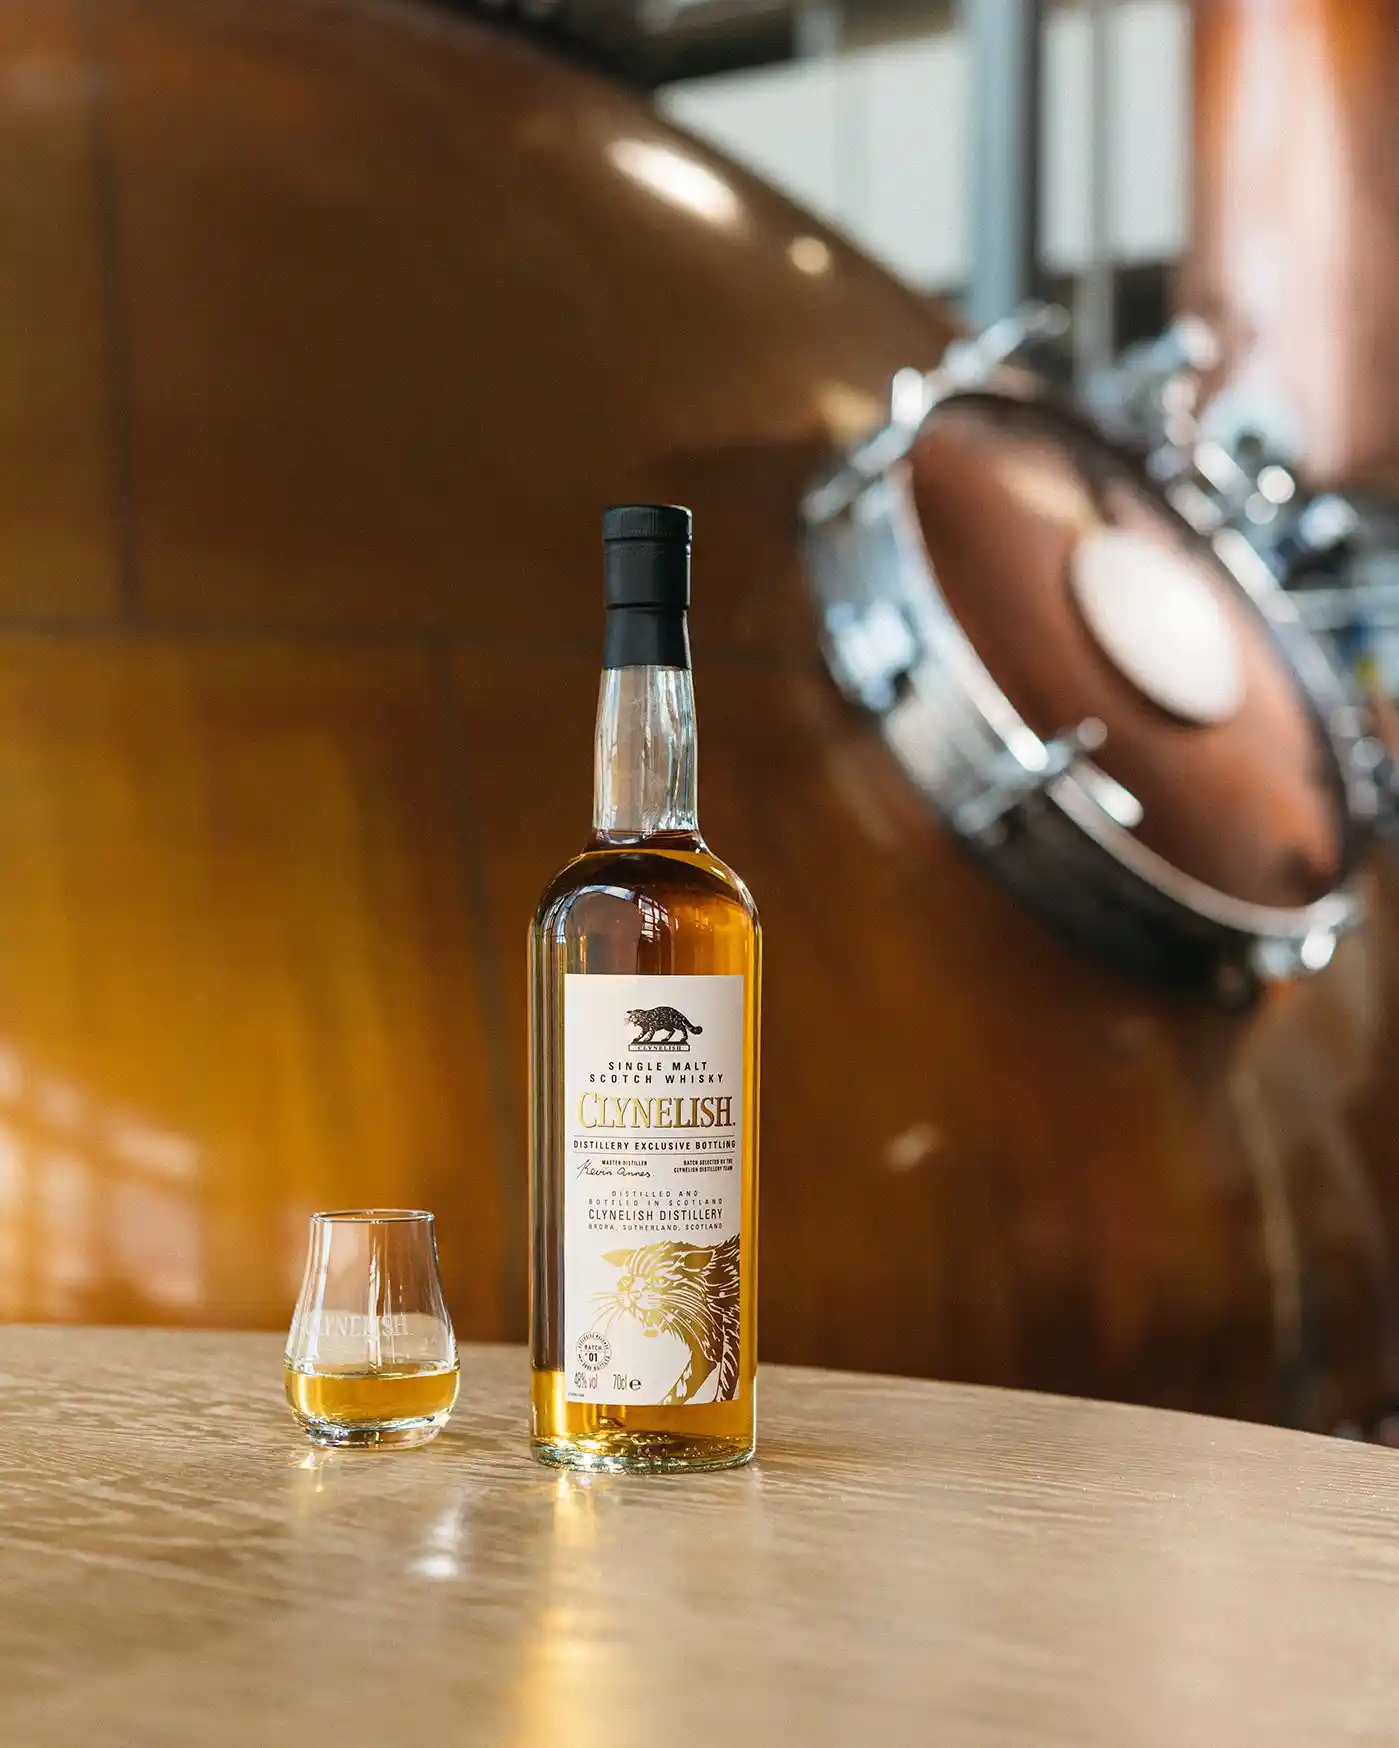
x=644, y=764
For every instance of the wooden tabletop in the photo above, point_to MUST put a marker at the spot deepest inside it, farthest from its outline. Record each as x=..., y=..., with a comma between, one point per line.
x=906, y=1563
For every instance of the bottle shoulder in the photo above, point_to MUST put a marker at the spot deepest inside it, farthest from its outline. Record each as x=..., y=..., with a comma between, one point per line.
x=684, y=876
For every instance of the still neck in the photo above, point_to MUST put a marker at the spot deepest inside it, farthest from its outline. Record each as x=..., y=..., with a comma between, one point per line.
x=644, y=766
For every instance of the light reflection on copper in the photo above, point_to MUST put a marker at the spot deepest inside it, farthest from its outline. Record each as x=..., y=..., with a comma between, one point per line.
x=97, y=1203
x=157, y=1152
x=848, y=414
x=64, y=1191
x=41, y=85
x=156, y=1237
x=10, y=1213
x=1047, y=490
x=809, y=255
x=678, y=179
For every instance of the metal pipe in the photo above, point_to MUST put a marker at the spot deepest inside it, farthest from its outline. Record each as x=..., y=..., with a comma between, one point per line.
x=1006, y=39
x=1095, y=293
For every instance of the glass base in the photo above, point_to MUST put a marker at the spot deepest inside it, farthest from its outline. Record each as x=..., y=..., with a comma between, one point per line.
x=641, y=1453
x=390, y=1435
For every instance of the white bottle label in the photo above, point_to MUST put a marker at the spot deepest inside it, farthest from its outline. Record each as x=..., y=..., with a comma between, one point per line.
x=653, y=1188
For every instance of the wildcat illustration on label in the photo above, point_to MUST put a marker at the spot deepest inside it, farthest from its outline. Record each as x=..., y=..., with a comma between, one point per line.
x=653, y=1174
x=689, y=1290
x=650, y=1021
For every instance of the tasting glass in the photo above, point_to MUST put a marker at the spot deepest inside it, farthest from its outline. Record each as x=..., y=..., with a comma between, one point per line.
x=371, y=1358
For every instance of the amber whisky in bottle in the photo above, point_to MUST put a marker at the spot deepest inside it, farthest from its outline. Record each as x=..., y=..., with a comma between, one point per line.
x=645, y=961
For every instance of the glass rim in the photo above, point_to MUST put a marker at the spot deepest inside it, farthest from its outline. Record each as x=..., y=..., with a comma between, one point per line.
x=372, y=1216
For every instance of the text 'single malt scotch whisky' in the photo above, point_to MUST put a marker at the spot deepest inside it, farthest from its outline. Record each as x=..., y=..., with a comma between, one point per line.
x=645, y=962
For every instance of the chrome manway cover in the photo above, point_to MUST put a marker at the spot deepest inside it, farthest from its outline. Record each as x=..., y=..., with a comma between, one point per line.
x=1201, y=828
x=1230, y=461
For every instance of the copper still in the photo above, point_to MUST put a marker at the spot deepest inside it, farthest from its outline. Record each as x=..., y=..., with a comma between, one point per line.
x=309, y=306
x=1294, y=250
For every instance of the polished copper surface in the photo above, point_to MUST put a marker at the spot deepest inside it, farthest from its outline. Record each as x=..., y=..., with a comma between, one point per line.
x=1005, y=492
x=236, y=974
x=1294, y=252
x=436, y=298
x=345, y=320
x=59, y=552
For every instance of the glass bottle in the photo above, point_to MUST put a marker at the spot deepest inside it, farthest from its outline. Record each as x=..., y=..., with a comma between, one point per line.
x=645, y=962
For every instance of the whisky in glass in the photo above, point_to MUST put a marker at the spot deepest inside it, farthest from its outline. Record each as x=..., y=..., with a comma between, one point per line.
x=371, y=1358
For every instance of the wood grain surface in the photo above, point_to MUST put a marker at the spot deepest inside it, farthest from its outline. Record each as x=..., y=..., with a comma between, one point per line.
x=906, y=1563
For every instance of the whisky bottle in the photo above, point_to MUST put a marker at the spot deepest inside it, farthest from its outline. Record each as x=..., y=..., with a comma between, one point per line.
x=645, y=960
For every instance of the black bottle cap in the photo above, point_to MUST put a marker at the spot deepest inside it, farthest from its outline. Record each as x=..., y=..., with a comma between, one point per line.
x=646, y=522
x=646, y=584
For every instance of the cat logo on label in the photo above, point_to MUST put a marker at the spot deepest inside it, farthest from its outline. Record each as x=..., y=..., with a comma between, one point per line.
x=650, y=1021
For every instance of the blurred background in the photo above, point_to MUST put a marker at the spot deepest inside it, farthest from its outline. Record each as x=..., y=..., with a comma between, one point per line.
x=866, y=114
x=1031, y=371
